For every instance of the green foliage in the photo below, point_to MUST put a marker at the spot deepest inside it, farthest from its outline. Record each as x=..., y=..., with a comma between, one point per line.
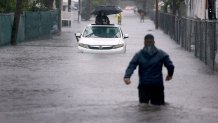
x=42, y=5
x=169, y=3
x=96, y=2
x=37, y=5
x=57, y=3
x=7, y=6
x=25, y=5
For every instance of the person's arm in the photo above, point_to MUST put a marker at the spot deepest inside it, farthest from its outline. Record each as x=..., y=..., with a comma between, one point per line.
x=96, y=20
x=130, y=69
x=107, y=20
x=170, y=67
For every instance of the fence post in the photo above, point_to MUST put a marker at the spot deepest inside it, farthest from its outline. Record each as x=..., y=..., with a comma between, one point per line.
x=204, y=44
x=212, y=44
x=188, y=32
x=156, y=15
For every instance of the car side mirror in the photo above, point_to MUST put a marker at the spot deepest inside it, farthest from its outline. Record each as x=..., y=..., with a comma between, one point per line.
x=126, y=36
x=77, y=35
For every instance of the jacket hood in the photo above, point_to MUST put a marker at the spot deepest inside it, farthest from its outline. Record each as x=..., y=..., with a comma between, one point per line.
x=149, y=51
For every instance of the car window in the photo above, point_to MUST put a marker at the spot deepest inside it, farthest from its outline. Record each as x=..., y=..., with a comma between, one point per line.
x=102, y=32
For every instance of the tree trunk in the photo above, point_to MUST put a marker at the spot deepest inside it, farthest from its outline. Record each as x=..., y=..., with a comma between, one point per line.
x=51, y=4
x=48, y=4
x=174, y=7
x=59, y=3
x=16, y=22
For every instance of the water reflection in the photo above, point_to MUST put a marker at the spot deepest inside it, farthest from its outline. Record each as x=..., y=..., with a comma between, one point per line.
x=142, y=113
x=149, y=108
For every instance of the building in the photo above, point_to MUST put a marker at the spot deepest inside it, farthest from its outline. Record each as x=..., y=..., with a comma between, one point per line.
x=202, y=9
x=74, y=5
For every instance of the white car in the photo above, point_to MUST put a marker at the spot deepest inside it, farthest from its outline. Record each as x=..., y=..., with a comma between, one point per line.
x=102, y=39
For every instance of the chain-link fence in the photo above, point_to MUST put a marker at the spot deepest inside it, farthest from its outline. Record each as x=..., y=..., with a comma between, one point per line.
x=6, y=22
x=39, y=24
x=199, y=36
x=5, y=28
x=33, y=25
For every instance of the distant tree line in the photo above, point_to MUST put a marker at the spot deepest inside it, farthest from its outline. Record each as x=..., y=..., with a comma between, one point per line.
x=7, y=6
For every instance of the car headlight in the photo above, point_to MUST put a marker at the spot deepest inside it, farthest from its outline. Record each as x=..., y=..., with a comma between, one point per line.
x=118, y=46
x=83, y=45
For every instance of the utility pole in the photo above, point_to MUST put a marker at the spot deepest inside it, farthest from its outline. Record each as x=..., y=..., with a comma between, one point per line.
x=59, y=14
x=144, y=6
x=174, y=7
x=174, y=19
x=16, y=22
x=211, y=9
x=69, y=6
x=156, y=15
x=79, y=9
x=89, y=6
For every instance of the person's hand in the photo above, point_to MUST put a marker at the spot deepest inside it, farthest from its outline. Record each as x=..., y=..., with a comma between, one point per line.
x=168, y=78
x=127, y=81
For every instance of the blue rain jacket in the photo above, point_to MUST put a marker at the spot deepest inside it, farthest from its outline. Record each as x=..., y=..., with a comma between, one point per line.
x=150, y=61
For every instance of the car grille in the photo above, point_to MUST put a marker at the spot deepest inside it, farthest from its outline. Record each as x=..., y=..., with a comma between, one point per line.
x=100, y=47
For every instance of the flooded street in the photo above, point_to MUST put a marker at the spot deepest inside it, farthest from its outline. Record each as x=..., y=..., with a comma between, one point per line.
x=49, y=81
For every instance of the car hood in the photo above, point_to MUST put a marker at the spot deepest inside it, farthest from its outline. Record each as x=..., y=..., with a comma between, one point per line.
x=100, y=41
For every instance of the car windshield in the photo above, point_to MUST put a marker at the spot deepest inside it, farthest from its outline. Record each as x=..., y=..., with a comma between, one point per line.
x=102, y=32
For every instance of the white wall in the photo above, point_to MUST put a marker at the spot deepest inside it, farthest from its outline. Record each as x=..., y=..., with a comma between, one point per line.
x=196, y=9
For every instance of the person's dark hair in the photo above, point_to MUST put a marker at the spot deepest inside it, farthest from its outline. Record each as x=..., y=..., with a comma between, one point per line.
x=149, y=36
x=148, y=40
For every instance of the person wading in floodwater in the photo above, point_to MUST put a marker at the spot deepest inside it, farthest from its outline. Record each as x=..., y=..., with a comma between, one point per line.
x=150, y=61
